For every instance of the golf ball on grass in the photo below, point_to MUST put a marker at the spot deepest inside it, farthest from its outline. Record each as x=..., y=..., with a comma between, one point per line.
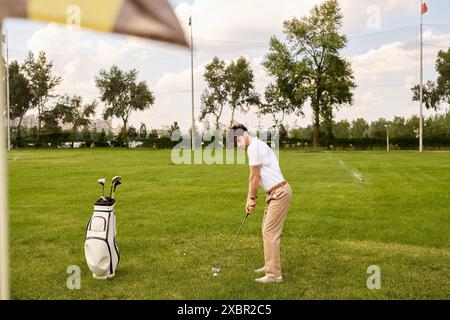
x=215, y=274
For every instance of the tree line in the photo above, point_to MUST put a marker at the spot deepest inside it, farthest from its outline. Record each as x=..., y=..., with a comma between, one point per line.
x=357, y=134
x=32, y=86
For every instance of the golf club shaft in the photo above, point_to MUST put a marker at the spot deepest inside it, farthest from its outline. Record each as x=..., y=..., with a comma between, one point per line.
x=234, y=241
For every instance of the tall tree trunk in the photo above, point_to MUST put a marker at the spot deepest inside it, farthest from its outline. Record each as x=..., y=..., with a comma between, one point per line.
x=316, y=112
x=74, y=129
x=218, y=117
x=124, y=133
x=18, y=131
x=232, y=116
x=217, y=123
x=38, y=141
x=316, y=128
x=330, y=132
x=20, y=123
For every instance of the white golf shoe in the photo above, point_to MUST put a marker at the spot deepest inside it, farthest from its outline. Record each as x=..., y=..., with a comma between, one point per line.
x=267, y=279
x=260, y=270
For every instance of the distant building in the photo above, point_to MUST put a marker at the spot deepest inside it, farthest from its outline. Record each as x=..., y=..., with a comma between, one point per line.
x=65, y=126
x=117, y=130
x=96, y=124
x=100, y=124
x=28, y=121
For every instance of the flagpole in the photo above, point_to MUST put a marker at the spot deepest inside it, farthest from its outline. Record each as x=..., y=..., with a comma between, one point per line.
x=8, y=119
x=192, y=86
x=4, y=258
x=421, y=81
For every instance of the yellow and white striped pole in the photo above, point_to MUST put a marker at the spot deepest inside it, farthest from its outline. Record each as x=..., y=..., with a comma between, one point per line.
x=153, y=19
x=4, y=258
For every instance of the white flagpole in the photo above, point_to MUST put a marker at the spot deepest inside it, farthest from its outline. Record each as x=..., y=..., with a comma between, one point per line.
x=421, y=82
x=192, y=85
x=8, y=117
x=4, y=259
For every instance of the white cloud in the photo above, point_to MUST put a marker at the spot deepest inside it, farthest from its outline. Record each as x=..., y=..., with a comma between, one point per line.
x=256, y=20
x=397, y=57
x=391, y=57
x=228, y=19
x=181, y=81
x=357, y=13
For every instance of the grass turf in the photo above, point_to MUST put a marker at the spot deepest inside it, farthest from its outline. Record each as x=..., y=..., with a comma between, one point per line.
x=175, y=222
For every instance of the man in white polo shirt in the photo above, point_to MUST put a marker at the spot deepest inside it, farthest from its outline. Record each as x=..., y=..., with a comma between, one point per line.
x=265, y=172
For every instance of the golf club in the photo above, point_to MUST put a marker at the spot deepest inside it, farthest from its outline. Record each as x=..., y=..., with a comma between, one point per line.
x=114, y=183
x=102, y=183
x=215, y=271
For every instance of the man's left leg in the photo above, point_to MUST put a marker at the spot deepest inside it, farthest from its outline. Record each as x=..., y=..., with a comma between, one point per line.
x=277, y=208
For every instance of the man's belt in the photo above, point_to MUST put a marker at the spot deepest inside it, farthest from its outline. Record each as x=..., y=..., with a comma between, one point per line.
x=275, y=187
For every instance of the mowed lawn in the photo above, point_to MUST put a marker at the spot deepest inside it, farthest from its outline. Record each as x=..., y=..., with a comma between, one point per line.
x=175, y=222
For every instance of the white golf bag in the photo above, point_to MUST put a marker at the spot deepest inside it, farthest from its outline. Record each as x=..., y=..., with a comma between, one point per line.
x=100, y=248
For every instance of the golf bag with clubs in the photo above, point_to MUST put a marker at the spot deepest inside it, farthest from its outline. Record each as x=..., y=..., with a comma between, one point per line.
x=100, y=248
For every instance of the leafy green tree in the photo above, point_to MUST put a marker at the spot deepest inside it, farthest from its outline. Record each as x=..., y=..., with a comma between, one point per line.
x=309, y=65
x=443, y=69
x=173, y=128
x=282, y=133
x=278, y=62
x=412, y=126
x=431, y=95
x=230, y=85
x=102, y=139
x=118, y=140
x=50, y=126
x=143, y=131
x=438, y=126
x=132, y=133
x=434, y=93
x=20, y=94
x=359, y=128
x=214, y=97
x=397, y=128
x=377, y=128
x=73, y=111
x=153, y=134
x=86, y=137
x=123, y=94
x=240, y=86
x=342, y=129
x=276, y=105
x=42, y=82
x=302, y=133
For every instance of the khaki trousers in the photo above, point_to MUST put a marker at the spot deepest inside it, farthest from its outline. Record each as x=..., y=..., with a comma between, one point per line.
x=277, y=205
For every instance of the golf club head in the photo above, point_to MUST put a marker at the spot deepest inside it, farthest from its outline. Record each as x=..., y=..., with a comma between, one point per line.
x=101, y=181
x=116, y=181
x=215, y=270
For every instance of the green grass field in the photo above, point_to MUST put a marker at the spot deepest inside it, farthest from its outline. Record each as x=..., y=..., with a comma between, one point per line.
x=175, y=222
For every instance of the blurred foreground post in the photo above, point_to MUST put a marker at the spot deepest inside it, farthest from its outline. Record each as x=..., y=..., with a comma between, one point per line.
x=4, y=259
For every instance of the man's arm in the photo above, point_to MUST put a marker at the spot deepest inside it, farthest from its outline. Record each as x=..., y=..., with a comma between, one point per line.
x=253, y=185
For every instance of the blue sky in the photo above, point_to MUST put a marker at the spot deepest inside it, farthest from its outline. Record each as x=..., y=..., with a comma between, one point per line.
x=384, y=59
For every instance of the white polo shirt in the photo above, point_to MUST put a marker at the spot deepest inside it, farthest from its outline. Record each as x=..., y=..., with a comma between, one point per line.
x=260, y=154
